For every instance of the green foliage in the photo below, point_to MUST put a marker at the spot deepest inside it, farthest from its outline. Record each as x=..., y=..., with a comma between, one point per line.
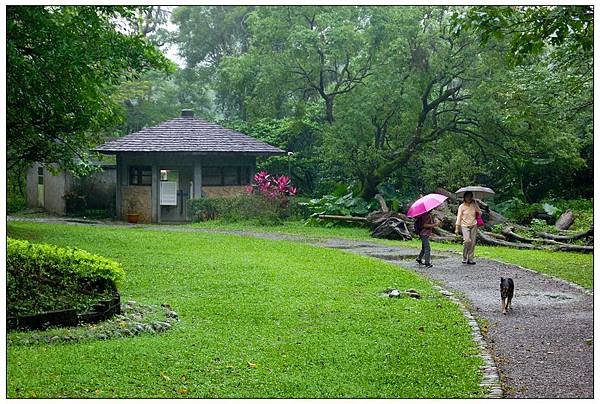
x=239, y=208
x=157, y=96
x=15, y=202
x=518, y=211
x=530, y=29
x=43, y=277
x=299, y=135
x=309, y=318
x=345, y=205
x=62, y=64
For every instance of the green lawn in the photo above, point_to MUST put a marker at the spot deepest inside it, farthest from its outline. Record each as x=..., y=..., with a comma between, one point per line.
x=309, y=318
x=574, y=267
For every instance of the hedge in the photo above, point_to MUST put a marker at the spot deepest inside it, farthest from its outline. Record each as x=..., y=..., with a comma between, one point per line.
x=43, y=277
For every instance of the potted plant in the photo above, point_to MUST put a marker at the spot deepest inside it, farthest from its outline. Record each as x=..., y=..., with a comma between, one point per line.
x=132, y=206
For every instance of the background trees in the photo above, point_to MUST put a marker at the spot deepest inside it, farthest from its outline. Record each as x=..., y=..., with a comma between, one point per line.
x=404, y=98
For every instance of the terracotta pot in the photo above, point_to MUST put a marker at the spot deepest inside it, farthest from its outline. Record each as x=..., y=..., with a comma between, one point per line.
x=133, y=217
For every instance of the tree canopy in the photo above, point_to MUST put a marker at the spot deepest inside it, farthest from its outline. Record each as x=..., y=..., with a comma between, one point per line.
x=63, y=62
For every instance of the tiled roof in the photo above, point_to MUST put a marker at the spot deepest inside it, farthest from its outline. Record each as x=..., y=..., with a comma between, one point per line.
x=188, y=134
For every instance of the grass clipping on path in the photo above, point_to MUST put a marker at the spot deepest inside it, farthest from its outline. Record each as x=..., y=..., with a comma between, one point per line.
x=258, y=318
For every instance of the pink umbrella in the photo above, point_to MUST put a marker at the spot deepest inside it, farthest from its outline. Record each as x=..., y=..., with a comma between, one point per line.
x=425, y=204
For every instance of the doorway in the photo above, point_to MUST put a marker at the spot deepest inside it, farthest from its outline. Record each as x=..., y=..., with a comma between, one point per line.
x=175, y=189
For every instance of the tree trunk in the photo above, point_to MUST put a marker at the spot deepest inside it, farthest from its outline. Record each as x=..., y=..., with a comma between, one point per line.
x=369, y=187
x=343, y=218
x=565, y=220
x=384, y=207
x=329, y=109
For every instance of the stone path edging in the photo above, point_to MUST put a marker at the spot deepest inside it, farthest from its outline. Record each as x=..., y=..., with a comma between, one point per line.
x=491, y=377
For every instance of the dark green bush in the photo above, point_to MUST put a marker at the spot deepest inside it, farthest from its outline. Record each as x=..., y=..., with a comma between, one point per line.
x=521, y=212
x=345, y=205
x=240, y=208
x=15, y=202
x=75, y=203
x=43, y=277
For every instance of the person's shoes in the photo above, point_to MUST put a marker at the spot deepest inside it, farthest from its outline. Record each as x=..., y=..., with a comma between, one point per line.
x=464, y=262
x=470, y=263
x=428, y=265
x=419, y=261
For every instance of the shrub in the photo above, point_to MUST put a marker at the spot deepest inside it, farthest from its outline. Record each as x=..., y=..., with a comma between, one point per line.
x=273, y=188
x=43, y=277
x=248, y=207
x=521, y=212
x=518, y=211
x=15, y=202
x=74, y=202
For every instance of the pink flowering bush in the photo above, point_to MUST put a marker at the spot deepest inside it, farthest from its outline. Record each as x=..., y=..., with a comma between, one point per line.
x=266, y=202
x=273, y=188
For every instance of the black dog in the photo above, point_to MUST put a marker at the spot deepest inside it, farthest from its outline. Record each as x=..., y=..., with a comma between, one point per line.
x=507, y=288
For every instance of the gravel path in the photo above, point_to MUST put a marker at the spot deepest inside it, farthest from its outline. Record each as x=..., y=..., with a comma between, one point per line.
x=543, y=348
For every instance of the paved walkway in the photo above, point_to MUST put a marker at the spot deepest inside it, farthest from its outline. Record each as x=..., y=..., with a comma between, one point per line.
x=543, y=348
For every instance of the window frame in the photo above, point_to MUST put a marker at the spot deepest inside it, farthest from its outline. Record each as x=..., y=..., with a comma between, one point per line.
x=242, y=174
x=40, y=175
x=138, y=173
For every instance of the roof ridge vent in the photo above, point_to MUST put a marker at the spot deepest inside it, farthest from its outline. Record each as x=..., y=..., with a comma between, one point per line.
x=187, y=113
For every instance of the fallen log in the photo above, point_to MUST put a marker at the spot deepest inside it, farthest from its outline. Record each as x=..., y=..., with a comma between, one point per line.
x=344, y=218
x=392, y=229
x=508, y=232
x=547, y=244
x=451, y=195
x=495, y=235
x=569, y=247
x=565, y=220
x=485, y=239
x=492, y=218
x=577, y=236
x=441, y=232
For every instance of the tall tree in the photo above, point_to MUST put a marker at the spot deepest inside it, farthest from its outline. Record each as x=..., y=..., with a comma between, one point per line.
x=418, y=93
x=62, y=62
x=326, y=51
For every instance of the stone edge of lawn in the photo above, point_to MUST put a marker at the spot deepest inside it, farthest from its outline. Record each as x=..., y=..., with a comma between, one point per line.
x=490, y=380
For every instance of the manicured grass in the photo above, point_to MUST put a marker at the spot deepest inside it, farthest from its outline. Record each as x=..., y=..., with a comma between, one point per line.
x=309, y=319
x=574, y=267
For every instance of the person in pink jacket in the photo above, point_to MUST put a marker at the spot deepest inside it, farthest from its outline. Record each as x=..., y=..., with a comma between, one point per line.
x=466, y=223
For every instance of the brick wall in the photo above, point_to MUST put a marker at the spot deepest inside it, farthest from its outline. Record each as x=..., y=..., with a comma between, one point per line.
x=143, y=196
x=227, y=190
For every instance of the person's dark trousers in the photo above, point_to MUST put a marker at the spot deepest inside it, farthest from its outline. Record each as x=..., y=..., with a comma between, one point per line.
x=425, y=250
